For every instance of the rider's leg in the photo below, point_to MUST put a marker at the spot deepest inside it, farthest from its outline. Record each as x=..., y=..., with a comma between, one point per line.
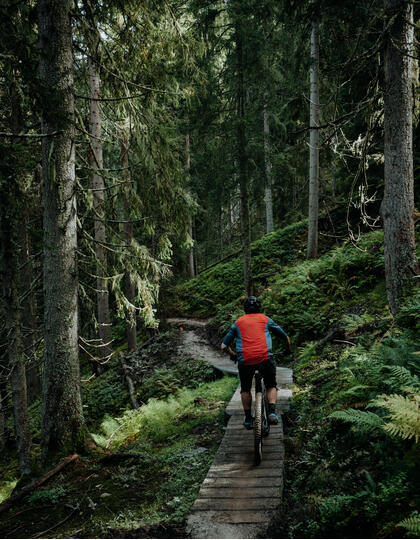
x=268, y=370
x=245, y=375
x=272, y=395
x=246, y=401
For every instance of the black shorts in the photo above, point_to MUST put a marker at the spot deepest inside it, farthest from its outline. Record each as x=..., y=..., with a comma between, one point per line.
x=267, y=370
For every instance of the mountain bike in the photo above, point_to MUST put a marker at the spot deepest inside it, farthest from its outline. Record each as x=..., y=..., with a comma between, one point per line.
x=261, y=425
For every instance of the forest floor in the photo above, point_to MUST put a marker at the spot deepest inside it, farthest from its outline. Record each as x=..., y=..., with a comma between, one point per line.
x=348, y=475
x=142, y=479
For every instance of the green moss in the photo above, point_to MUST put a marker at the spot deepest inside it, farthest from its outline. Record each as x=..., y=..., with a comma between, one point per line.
x=104, y=394
x=221, y=284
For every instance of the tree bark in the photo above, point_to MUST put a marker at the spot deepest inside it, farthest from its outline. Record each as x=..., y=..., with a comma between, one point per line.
x=102, y=297
x=62, y=418
x=268, y=172
x=243, y=163
x=312, y=248
x=2, y=421
x=398, y=203
x=130, y=289
x=10, y=225
x=130, y=384
x=191, y=265
x=33, y=377
x=12, y=316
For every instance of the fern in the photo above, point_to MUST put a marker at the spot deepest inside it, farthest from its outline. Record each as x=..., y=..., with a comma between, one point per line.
x=412, y=524
x=401, y=377
x=357, y=391
x=403, y=412
x=363, y=420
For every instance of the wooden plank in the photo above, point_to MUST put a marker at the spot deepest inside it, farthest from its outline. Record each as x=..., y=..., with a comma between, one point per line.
x=242, y=481
x=237, y=504
x=269, y=453
x=229, y=492
x=231, y=470
x=248, y=435
x=274, y=460
x=238, y=443
x=233, y=516
x=235, y=423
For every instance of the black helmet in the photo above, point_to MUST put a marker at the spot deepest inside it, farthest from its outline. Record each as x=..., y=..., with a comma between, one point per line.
x=252, y=305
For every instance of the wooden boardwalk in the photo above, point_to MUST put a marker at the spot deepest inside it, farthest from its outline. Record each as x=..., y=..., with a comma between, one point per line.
x=237, y=499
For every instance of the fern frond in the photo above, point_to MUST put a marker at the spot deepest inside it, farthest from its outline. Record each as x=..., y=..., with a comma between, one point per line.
x=362, y=420
x=400, y=377
x=359, y=390
x=403, y=413
x=412, y=524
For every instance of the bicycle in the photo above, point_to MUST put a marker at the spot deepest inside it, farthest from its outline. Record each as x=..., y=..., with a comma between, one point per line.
x=261, y=425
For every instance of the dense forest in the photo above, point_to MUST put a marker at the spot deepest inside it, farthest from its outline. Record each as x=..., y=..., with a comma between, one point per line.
x=167, y=159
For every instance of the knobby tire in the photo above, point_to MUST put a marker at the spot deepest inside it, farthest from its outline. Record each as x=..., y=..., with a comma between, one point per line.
x=258, y=428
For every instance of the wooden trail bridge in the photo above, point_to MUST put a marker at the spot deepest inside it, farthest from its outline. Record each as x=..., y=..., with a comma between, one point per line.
x=238, y=499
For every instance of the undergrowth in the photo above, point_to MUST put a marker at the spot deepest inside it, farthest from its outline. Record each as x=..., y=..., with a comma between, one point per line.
x=147, y=472
x=352, y=457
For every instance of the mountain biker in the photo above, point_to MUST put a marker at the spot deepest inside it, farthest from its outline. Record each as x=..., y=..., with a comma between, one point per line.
x=254, y=351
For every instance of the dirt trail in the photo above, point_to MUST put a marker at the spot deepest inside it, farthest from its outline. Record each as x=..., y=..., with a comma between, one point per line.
x=193, y=343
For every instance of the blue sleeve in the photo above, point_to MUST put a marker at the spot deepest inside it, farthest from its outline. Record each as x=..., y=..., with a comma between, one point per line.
x=230, y=336
x=276, y=329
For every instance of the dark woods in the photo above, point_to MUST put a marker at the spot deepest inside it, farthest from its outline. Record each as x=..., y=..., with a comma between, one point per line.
x=143, y=142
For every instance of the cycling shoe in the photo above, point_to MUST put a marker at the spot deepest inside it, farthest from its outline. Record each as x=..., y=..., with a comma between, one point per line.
x=247, y=423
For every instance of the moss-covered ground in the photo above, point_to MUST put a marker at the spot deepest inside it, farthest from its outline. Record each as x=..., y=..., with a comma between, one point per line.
x=144, y=472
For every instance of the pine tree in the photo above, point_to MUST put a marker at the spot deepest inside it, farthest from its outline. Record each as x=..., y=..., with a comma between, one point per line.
x=62, y=419
x=312, y=251
x=398, y=203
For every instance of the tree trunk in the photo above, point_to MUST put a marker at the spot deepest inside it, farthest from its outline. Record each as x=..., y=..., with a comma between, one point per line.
x=18, y=386
x=243, y=164
x=102, y=296
x=268, y=173
x=33, y=378
x=2, y=420
x=191, y=265
x=130, y=289
x=62, y=419
x=398, y=203
x=312, y=249
x=12, y=316
x=10, y=225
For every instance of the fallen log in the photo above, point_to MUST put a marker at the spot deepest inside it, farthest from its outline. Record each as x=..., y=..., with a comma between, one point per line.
x=36, y=483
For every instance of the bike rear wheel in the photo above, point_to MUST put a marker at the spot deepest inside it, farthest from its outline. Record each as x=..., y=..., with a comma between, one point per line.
x=264, y=415
x=258, y=428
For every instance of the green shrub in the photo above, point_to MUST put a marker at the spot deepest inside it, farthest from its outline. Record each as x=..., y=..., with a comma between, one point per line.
x=104, y=394
x=158, y=419
x=48, y=495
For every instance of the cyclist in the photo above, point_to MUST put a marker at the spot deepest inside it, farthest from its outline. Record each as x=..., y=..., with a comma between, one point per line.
x=254, y=351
